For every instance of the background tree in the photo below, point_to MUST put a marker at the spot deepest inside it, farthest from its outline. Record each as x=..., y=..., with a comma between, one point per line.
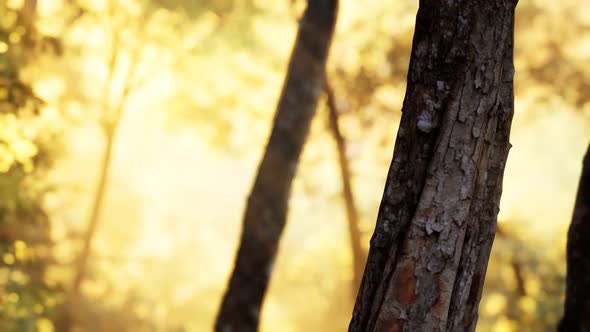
x=576, y=317
x=177, y=190
x=110, y=120
x=355, y=235
x=437, y=219
x=266, y=211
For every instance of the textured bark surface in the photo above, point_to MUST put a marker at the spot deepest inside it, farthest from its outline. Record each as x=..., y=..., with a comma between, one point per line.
x=576, y=316
x=266, y=210
x=358, y=254
x=437, y=218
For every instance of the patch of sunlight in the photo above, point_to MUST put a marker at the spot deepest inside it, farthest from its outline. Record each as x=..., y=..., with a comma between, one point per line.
x=49, y=7
x=15, y=4
x=50, y=87
x=20, y=250
x=133, y=7
x=390, y=97
x=8, y=258
x=503, y=324
x=277, y=33
x=3, y=47
x=98, y=5
x=38, y=309
x=584, y=14
x=6, y=158
x=44, y=325
x=24, y=150
x=527, y=304
x=95, y=288
x=13, y=298
x=533, y=286
x=19, y=278
x=206, y=25
x=494, y=304
x=579, y=48
x=15, y=37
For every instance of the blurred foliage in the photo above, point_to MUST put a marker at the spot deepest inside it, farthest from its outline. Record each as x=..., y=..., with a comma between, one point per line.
x=198, y=81
x=27, y=146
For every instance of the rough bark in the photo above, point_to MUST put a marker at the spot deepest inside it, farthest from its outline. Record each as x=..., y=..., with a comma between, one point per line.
x=437, y=218
x=358, y=254
x=266, y=209
x=576, y=316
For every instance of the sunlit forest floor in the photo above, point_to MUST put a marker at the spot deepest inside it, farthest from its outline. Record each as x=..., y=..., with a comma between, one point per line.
x=194, y=127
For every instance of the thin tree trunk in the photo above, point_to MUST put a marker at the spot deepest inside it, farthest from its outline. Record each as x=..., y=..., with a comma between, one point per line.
x=358, y=254
x=105, y=166
x=515, y=263
x=576, y=316
x=29, y=12
x=110, y=126
x=266, y=209
x=437, y=218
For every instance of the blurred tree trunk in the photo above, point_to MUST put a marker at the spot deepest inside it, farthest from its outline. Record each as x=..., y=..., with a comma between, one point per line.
x=96, y=208
x=437, y=219
x=576, y=316
x=266, y=210
x=29, y=12
x=65, y=319
x=358, y=254
x=109, y=124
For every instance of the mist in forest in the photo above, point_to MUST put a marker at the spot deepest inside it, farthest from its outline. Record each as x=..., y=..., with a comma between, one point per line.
x=131, y=132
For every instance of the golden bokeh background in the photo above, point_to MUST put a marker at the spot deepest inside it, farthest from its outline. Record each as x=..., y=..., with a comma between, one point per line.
x=191, y=86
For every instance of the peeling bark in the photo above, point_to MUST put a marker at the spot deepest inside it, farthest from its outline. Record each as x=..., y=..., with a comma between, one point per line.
x=576, y=316
x=266, y=210
x=437, y=218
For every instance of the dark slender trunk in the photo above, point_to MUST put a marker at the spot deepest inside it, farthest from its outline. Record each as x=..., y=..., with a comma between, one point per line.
x=266, y=210
x=358, y=254
x=437, y=218
x=576, y=316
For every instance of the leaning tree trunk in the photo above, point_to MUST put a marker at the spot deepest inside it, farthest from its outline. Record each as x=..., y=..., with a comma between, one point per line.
x=437, y=218
x=266, y=210
x=576, y=317
x=354, y=231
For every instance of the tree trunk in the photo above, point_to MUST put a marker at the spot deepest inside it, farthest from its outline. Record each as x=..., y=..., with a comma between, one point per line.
x=94, y=212
x=110, y=124
x=29, y=12
x=576, y=317
x=358, y=254
x=437, y=218
x=266, y=210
